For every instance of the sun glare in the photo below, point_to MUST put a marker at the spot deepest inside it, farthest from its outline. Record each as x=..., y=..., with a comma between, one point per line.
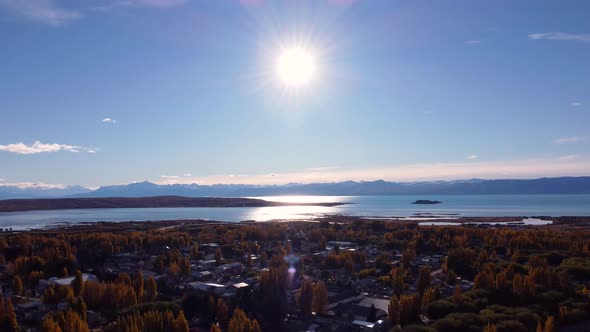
x=295, y=67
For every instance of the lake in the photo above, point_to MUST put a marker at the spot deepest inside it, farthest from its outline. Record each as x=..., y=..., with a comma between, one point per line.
x=368, y=206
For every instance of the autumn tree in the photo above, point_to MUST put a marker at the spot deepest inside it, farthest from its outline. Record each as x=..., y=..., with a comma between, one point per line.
x=305, y=297
x=320, y=297
x=8, y=320
x=151, y=289
x=490, y=327
x=457, y=295
x=424, y=279
x=241, y=323
x=138, y=286
x=550, y=324
x=393, y=310
x=17, y=285
x=78, y=283
x=218, y=257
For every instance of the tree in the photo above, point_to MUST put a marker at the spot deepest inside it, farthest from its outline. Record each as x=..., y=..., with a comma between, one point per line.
x=427, y=298
x=17, y=285
x=305, y=297
x=195, y=254
x=550, y=324
x=8, y=320
x=349, y=265
x=80, y=307
x=393, y=310
x=221, y=312
x=320, y=297
x=490, y=327
x=263, y=259
x=138, y=286
x=457, y=295
x=152, y=289
x=424, y=279
x=185, y=266
x=78, y=283
x=49, y=325
x=241, y=323
x=218, y=256
x=181, y=324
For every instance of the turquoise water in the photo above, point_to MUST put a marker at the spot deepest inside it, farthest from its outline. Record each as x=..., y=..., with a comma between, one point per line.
x=376, y=206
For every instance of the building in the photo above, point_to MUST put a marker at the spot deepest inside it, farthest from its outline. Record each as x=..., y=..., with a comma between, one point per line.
x=65, y=281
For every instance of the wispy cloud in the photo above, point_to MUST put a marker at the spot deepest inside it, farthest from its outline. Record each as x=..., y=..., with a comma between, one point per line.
x=109, y=120
x=473, y=42
x=527, y=168
x=560, y=36
x=187, y=175
x=472, y=157
x=569, y=157
x=113, y=5
x=38, y=147
x=576, y=104
x=43, y=11
x=571, y=139
x=321, y=169
x=168, y=177
x=2, y=180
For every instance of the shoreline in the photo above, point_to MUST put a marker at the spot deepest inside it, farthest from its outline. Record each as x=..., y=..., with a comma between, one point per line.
x=503, y=222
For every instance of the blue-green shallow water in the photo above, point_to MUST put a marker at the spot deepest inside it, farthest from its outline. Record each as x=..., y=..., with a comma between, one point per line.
x=383, y=206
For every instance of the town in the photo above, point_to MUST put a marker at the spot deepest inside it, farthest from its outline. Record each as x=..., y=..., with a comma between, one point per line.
x=334, y=274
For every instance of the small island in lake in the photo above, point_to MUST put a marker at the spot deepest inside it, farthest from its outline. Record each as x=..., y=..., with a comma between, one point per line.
x=426, y=201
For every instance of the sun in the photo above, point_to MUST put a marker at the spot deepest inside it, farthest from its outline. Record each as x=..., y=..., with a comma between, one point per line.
x=295, y=67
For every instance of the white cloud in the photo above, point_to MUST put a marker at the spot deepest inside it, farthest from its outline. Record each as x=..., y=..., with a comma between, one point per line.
x=571, y=139
x=44, y=11
x=169, y=176
x=187, y=175
x=576, y=104
x=35, y=185
x=560, y=36
x=473, y=42
x=2, y=180
x=527, y=168
x=109, y=120
x=472, y=157
x=38, y=147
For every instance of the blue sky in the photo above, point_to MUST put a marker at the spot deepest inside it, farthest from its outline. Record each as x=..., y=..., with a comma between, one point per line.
x=179, y=91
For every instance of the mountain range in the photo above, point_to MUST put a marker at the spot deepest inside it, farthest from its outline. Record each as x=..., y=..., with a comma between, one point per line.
x=560, y=185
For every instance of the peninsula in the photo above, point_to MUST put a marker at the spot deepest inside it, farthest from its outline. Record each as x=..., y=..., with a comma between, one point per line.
x=18, y=205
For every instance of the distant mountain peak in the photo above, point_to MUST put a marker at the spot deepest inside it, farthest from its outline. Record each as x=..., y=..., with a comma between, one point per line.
x=561, y=185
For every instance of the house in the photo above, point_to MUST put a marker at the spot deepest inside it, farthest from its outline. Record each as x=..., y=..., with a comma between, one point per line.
x=232, y=268
x=65, y=281
x=202, y=275
x=362, y=326
x=206, y=287
x=25, y=309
